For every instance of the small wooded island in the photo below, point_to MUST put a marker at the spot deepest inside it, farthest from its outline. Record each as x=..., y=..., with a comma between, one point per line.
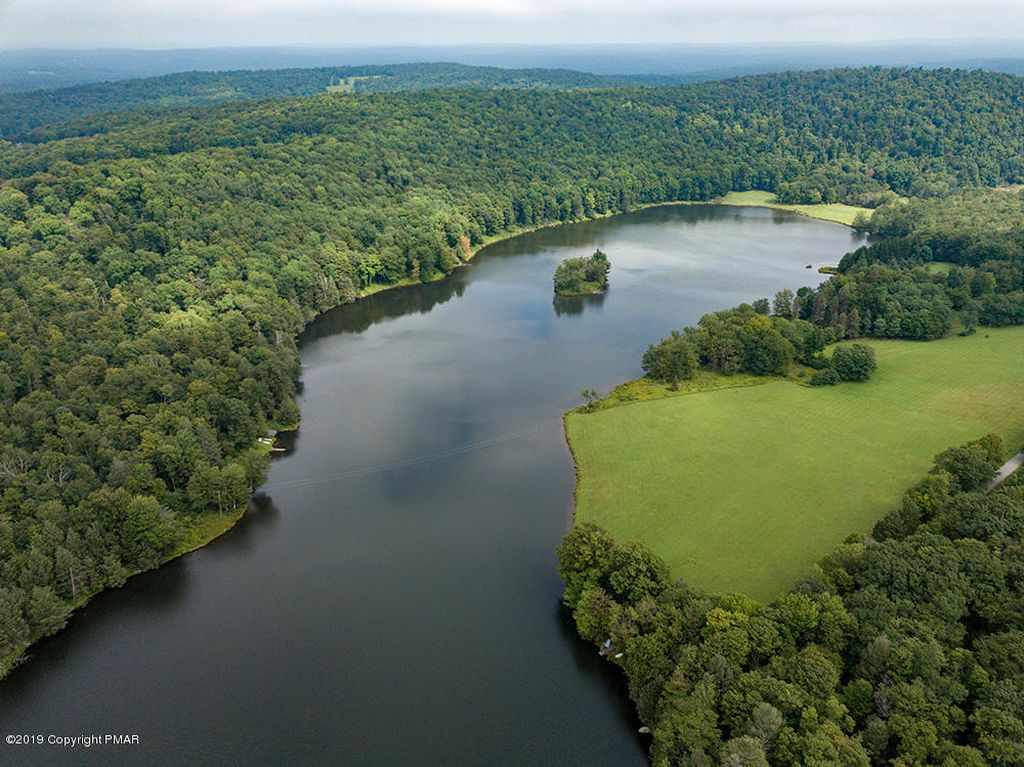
x=582, y=276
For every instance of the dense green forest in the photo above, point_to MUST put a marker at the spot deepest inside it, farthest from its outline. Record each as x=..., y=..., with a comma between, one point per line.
x=22, y=113
x=905, y=648
x=153, y=277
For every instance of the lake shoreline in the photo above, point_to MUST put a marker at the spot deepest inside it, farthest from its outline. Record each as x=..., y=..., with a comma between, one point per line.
x=226, y=522
x=801, y=210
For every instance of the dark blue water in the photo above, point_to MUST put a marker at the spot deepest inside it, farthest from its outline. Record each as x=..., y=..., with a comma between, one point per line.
x=392, y=599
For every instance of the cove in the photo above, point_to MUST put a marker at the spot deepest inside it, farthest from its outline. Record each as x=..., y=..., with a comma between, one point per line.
x=392, y=598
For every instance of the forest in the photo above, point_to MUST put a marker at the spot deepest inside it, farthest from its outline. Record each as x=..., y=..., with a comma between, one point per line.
x=23, y=112
x=156, y=269
x=905, y=647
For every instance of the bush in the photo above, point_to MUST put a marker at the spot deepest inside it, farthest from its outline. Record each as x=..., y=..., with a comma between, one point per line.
x=825, y=377
x=818, y=362
x=855, y=362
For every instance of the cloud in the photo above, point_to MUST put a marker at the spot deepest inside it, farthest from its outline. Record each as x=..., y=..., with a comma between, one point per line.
x=168, y=23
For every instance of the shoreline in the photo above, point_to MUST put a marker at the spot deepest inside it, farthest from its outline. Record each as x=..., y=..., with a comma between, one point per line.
x=761, y=201
x=571, y=516
x=226, y=522
x=833, y=213
x=208, y=527
x=735, y=202
x=223, y=523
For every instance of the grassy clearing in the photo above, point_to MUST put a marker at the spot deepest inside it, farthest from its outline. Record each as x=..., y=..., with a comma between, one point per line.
x=837, y=212
x=743, y=489
x=939, y=267
x=348, y=84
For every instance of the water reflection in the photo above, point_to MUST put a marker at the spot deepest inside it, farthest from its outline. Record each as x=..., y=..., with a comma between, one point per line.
x=574, y=305
x=386, y=305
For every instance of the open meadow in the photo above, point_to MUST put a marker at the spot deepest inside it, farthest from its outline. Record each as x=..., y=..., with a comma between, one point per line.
x=839, y=213
x=744, y=489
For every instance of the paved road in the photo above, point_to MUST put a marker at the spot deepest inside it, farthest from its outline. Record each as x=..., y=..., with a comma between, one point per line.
x=1004, y=472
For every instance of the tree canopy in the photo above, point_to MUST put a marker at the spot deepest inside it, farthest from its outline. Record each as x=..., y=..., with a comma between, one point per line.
x=582, y=276
x=24, y=114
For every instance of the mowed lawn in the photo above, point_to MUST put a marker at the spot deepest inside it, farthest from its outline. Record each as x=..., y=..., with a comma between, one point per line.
x=743, y=490
x=837, y=212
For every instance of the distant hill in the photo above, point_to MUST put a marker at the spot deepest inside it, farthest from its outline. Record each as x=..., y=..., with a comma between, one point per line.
x=24, y=112
x=31, y=69
x=102, y=81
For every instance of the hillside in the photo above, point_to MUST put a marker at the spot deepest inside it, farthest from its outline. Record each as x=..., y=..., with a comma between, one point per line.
x=23, y=113
x=153, y=277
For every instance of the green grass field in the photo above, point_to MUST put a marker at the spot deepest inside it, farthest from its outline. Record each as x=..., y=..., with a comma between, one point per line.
x=744, y=489
x=837, y=212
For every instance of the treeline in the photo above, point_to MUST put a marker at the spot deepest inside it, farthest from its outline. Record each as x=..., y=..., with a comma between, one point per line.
x=47, y=114
x=766, y=338
x=744, y=339
x=906, y=647
x=153, y=278
x=897, y=127
x=886, y=290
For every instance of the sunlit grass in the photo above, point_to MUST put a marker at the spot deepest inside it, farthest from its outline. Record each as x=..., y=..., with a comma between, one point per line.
x=745, y=488
x=837, y=212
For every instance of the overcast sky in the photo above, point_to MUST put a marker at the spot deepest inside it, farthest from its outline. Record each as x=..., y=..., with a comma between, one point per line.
x=194, y=23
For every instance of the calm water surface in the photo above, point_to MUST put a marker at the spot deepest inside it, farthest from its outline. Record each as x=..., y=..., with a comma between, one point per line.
x=392, y=597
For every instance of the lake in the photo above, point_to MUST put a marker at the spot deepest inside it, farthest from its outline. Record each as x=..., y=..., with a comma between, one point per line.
x=391, y=598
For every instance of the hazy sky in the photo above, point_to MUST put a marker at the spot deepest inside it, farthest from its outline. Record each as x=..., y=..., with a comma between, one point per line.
x=190, y=23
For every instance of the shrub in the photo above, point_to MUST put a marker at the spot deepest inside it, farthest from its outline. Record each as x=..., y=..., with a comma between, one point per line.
x=855, y=362
x=818, y=362
x=825, y=377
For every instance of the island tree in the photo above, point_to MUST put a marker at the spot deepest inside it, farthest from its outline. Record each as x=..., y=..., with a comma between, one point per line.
x=582, y=276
